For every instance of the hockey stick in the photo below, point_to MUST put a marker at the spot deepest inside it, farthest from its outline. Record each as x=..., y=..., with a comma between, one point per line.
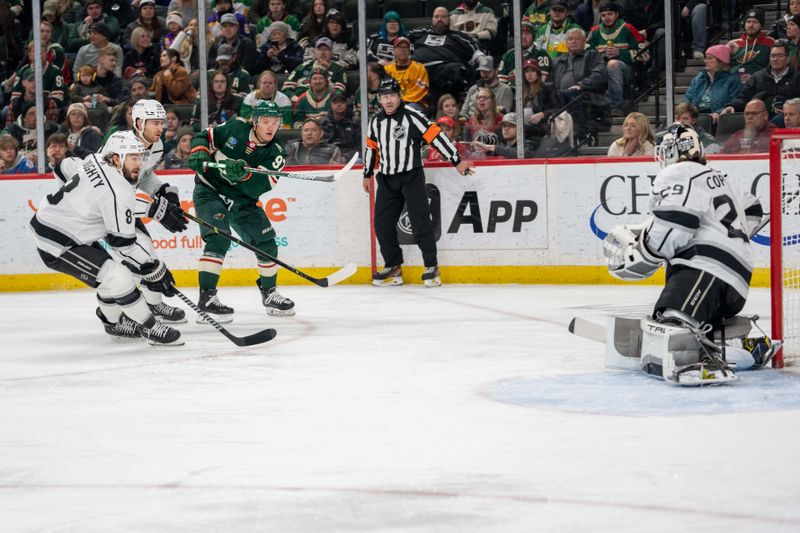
x=328, y=178
x=249, y=340
x=340, y=275
x=587, y=329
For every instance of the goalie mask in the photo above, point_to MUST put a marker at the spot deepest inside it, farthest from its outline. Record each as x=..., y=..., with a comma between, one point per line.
x=680, y=143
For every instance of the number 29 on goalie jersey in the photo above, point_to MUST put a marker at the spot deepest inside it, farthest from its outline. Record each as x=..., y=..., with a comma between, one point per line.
x=702, y=219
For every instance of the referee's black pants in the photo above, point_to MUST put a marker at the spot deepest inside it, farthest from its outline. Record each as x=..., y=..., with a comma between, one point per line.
x=393, y=191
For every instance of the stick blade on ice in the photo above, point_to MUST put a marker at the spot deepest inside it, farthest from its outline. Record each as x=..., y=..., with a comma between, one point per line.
x=342, y=274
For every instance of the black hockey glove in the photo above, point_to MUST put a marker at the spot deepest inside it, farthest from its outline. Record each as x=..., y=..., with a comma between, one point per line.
x=169, y=214
x=158, y=278
x=170, y=193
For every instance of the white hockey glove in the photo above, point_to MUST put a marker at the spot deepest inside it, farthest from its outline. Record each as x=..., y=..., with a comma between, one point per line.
x=626, y=255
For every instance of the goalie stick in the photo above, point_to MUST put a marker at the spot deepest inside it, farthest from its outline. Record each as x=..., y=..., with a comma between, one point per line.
x=340, y=275
x=328, y=178
x=249, y=340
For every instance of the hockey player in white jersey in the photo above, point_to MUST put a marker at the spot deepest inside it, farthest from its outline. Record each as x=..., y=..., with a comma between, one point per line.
x=98, y=201
x=149, y=118
x=700, y=226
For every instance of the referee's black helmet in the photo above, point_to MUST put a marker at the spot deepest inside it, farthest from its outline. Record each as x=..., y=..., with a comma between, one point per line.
x=389, y=85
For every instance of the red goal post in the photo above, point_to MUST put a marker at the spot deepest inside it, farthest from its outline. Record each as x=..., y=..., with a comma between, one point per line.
x=784, y=208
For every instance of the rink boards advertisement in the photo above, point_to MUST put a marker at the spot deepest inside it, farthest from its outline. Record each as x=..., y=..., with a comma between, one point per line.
x=530, y=221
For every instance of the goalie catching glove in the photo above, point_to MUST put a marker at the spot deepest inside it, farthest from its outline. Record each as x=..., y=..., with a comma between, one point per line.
x=627, y=257
x=157, y=277
x=166, y=208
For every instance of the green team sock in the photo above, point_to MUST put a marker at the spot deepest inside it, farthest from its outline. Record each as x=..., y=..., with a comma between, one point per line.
x=208, y=280
x=268, y=282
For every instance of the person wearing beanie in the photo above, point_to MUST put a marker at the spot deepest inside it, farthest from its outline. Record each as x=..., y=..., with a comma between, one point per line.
x=174, y=27
x=793, y=39
x=94, y=13
x=279, y=51
x=506, y=74
x=778, y=28
x=83, y=138
x=176, y=157
x=552, y=36
x=380, y=45
x=99, y=38
x=751, y=50
x=714, y=87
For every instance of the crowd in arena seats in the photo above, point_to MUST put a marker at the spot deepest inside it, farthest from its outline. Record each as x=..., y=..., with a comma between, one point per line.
x=582, y=62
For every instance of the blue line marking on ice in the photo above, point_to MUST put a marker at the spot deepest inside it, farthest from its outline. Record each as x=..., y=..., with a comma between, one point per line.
x=635, y=394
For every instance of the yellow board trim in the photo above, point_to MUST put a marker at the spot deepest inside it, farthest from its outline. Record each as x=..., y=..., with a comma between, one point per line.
x=550, y=274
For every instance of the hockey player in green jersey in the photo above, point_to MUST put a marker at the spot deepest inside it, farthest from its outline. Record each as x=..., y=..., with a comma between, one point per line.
x=227, y=199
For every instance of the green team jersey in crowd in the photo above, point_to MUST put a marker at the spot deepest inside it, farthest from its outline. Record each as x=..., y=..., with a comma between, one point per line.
x=297, y=82
x=621, y=36
x=538, y=14
x=239, y=80
x=235, y=140
x=52, y=82
x=506, y=71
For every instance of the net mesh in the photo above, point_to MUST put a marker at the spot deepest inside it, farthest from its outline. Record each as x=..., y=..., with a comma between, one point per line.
x=790, y=244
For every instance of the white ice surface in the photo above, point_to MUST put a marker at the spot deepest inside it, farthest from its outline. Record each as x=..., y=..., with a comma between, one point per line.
x=459, y=409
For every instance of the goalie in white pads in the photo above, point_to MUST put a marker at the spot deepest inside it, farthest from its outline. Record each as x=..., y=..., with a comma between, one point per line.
x=98, y=201
x=700, y=226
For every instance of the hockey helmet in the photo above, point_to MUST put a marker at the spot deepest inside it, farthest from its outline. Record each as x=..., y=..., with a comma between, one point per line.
x=679, y=143
x=123, y=143
x=265, y=108
x=147, y=110
x=389, y=85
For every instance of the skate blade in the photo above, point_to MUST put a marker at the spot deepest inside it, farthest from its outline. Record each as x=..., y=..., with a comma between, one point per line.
x=222, y=319
x=279, y=312
x=436, y=282
x=702, y=378
x=165, y=320
x=124, y=340
x=773, y=349
x=388, y=282
x=178, y=342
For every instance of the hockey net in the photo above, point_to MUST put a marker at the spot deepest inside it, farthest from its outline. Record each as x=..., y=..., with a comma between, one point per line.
x=785, y=243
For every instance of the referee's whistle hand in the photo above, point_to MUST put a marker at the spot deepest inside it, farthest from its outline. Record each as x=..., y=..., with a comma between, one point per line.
x=367, y=184
x=465, y=168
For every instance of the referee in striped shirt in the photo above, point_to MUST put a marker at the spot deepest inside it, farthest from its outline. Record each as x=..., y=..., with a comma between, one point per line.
x=394, y=146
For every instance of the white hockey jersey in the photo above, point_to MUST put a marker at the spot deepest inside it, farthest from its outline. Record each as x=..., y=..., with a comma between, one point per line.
x=702, y=220
x=148, y=182
x=95, y=203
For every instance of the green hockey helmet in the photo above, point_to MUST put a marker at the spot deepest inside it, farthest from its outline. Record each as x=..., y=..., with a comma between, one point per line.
x=265, y=108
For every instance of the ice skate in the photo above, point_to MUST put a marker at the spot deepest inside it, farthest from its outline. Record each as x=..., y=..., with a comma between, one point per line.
x=124, y=329
x=159, y=334
x=276, y=304
x=388, y=276
x=168, y=314
x=431, y=277
x=762, y=349
x=209, y=302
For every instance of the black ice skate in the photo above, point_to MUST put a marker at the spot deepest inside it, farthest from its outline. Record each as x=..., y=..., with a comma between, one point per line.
x=159, y=334
x=388, y=276
x=430, y=277
x=124, y=329
x=275, y=303
x=168, y=314
x=211, y=305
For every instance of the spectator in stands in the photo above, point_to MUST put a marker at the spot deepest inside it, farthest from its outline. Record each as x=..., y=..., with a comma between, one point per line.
x=112, y=89
x=751, y=50
x=176, y=157
x=618, y=42
x=448, y=126
x=56, y=151
x=239, y=80
x=147, y=19
x=345, y=53
x=380, y=46
x=244, y=48
x=313, y=24
x=174, y=27
x=98, y=39
x=63, y=33
x=171, y=126
x=375, y=73
x=687, y=114
x=297, y=82
x=538, y=14
x=11, y=161
x=637, y=138
x=268, y=90
x=773, y=85
x=552, y=36
x=315, y=102
x=138, y=89
x=123, y=120
x=186, y=8
x=484, y=123
x=538, y=102
x=141, y=60
x=715, y=87
x=340, y=128
x=410, y=75
x=447, y=106
x=223, y=104
x=94, y=13
x=187, y=43
x=277, y=13
x=587, y=14
x=755, y=135
x=476, y=20
x=778, y=28
x=446, y=54
x=53, y=88
x=506, y=73
x=280, y=52
x=695, y=13
x=647, y=16
x=23, y=129
x=83, y=138
x=171, y=84
x=793, y=40
x=507, y=143
x=503, y=95
x=84, y=86
x=215, y=22
x=311, y=149
x=791, y=113
x=581, y=72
